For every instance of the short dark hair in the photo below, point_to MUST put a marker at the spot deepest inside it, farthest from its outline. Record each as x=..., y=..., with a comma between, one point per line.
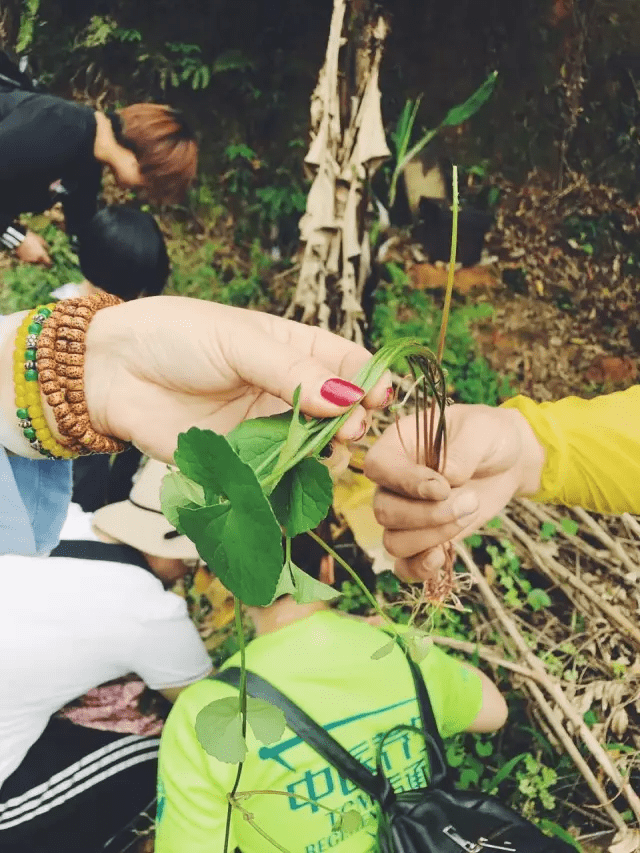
x=122, y=250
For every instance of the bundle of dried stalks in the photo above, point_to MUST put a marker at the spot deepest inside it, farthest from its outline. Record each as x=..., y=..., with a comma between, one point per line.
x=347, y=146
x=591, y=635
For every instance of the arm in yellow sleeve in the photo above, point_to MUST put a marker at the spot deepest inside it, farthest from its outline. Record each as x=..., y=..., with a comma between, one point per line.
x=592, y=450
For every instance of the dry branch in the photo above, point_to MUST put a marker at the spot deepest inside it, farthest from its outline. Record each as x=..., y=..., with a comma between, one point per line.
x=557, y=571
x=559, y=697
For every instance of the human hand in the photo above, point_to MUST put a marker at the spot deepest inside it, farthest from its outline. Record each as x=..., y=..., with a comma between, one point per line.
x=156, y=366
x=492, y=455
x=33, y=250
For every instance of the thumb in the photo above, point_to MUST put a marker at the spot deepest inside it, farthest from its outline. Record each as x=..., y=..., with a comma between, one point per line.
x=390, y=464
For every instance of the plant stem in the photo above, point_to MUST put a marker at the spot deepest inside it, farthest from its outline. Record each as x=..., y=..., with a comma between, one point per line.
x=249, y=819
x=371, y=598
x=246, y=794
x=237, y=607
x=452, y=267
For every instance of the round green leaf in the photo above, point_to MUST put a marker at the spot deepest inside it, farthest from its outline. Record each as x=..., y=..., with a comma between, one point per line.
x=350, y=822
x=219, y=730
x=267, y=722
x=176, y=492
x=302, y=497
x=239, y=537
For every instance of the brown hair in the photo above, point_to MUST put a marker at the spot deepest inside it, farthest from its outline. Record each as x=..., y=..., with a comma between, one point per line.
x=165, y=147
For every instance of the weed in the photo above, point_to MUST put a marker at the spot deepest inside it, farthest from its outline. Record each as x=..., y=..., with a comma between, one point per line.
x=26, y=285
x=400, y=310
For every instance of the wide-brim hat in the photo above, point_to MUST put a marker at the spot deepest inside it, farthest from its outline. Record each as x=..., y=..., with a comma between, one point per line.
x=139, y=521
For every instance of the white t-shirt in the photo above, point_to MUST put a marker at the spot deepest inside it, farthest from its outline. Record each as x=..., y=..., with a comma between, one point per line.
x=67, y=625
x=77, y=524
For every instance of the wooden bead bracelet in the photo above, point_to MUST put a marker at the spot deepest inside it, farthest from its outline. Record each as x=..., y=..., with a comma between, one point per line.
x=60, y=364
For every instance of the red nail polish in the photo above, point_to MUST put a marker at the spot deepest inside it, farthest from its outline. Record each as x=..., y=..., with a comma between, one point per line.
x=388, y=397
x=341, y=393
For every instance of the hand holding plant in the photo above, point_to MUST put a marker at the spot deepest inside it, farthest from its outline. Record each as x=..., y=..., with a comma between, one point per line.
x=156, y=367
x=492, y=455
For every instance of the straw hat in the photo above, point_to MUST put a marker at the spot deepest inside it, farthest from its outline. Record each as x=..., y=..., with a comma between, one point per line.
x=139, y=521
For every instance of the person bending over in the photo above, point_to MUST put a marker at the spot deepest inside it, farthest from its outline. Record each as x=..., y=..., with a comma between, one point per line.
x=121, y=251
x=321, y=659
x=54, y=150
x=90, y=613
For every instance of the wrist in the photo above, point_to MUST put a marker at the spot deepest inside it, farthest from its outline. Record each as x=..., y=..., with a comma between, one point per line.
x=532, y=455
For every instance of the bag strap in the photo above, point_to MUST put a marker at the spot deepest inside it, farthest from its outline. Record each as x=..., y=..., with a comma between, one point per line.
x=309, y=731
x=439, y=774
x=313, y=734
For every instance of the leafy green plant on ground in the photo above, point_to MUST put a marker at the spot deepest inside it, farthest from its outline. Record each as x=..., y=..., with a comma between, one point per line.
x=212, y=272
x=404, y=151
x=267, y=201
x=24, y=285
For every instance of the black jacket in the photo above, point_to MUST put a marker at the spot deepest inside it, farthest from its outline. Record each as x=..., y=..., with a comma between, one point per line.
x=45, y=139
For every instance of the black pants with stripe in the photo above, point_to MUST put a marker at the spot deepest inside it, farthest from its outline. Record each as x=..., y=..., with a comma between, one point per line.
x=75, y=789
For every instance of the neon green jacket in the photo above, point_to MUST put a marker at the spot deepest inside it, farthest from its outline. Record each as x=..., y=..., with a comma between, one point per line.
x=323, y=662
x=592, y=450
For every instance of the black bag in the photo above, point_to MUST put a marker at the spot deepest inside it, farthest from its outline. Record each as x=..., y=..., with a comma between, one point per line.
x=435, y=819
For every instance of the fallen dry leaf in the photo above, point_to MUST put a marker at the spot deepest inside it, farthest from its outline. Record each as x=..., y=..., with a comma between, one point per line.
x=431, y=277
x=612, y=369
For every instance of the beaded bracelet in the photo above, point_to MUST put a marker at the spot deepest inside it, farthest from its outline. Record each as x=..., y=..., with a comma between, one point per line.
x=61, y=364
x=27, y=393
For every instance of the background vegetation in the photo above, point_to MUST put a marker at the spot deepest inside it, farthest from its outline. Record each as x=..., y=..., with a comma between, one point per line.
x=567, y=99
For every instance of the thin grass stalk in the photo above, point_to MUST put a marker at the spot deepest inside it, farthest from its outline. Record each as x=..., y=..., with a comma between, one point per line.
x=452, y=267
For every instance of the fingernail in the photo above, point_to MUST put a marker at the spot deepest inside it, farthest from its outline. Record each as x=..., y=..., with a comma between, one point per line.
x=341, y=393
x=388, y=397
x=363, y=431
x=464, y=504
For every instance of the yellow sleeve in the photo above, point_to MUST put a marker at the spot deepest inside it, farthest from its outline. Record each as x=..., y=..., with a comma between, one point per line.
x=592, y=450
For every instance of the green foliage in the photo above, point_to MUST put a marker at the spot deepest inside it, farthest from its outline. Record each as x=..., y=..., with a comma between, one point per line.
x=518, y=589
x=402, y=310
x=247, y=494
x=303, y=497
x=348, y=822
x=569, y=526
x=301, y=586
x=269, y=200
x=25, y=285
x=219, y=726
x=211, y=273
x=401, y=136
x=237, y=522
x=103, y=29
x=535, y=782
x=28, y=18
